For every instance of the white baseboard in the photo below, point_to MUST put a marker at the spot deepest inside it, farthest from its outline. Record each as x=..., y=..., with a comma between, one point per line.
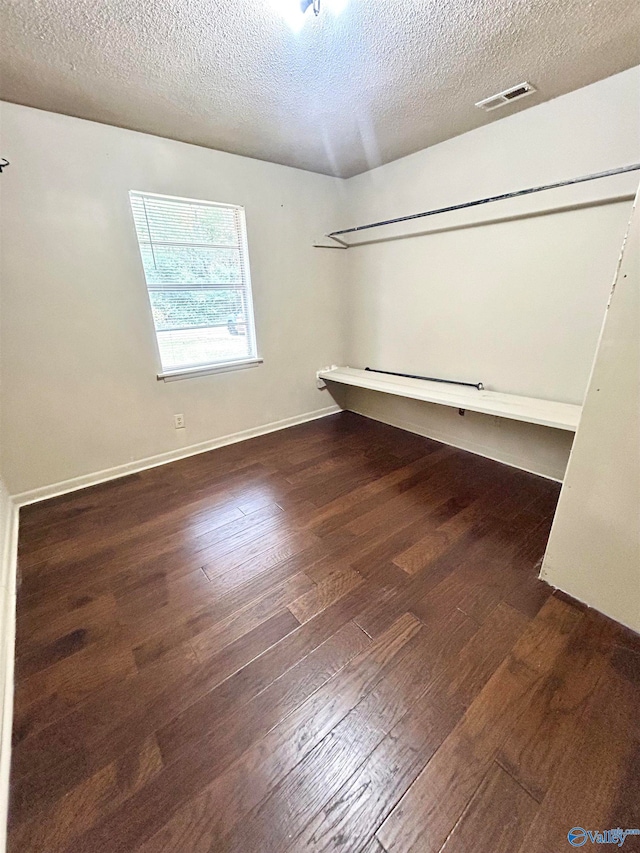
x=436, y=435
x=85, y=480
x=8, y=557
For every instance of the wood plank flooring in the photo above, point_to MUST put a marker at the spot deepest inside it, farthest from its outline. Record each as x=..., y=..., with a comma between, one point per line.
x=330, y=638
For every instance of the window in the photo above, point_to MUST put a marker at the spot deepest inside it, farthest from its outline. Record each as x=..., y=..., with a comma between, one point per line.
x=196, y=266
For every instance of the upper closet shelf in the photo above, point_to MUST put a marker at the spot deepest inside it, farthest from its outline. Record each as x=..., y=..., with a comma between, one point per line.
x=529, y=409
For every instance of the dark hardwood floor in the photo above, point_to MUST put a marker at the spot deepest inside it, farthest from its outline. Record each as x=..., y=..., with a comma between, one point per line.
x=330, y=638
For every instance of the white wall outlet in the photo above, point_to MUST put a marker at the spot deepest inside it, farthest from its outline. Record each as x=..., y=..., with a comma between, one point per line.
x=178, y=421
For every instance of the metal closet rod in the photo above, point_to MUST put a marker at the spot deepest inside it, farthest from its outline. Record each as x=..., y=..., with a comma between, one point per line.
x=477, y=385
x=515, y=194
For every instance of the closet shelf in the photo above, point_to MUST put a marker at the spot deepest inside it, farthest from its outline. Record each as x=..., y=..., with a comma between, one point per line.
x=529, y=409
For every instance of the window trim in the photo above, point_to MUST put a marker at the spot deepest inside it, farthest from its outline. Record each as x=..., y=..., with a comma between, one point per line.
x=212, y=367
x=205, y=369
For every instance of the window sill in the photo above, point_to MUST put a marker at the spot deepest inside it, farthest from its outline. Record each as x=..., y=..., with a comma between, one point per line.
x=205, y=369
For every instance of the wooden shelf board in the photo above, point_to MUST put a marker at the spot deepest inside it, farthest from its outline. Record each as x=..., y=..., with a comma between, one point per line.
x=532, y=410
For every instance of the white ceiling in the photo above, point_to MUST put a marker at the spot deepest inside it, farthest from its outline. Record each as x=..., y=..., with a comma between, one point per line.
x=345, y=94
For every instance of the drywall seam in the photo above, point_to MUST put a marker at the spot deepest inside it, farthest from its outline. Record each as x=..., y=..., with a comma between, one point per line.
x=86, y=480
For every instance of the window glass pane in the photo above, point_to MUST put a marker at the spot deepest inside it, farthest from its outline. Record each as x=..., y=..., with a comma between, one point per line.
x=190, y=266
x=190, y=308
x=161, y=220
x=193, y=347
x=197, y=274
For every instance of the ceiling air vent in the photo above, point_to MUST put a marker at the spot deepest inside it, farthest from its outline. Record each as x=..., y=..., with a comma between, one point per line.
x=503, y=98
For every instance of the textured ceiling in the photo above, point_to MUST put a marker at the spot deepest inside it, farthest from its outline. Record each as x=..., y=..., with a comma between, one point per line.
x=346, y=93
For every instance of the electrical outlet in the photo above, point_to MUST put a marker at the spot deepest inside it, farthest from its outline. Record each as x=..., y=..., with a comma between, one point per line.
x=179, y=421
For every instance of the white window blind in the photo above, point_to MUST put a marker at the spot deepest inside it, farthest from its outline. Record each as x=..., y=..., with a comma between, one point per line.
x=196, y=265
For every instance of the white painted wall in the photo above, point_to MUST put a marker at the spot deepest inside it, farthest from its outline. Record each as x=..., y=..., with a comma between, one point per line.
x=516, y=304
x=78, y=353
x=594, y=547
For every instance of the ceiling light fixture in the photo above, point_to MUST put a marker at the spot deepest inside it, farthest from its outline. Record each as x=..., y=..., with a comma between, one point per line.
x=304, y=5
x=293, y=11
